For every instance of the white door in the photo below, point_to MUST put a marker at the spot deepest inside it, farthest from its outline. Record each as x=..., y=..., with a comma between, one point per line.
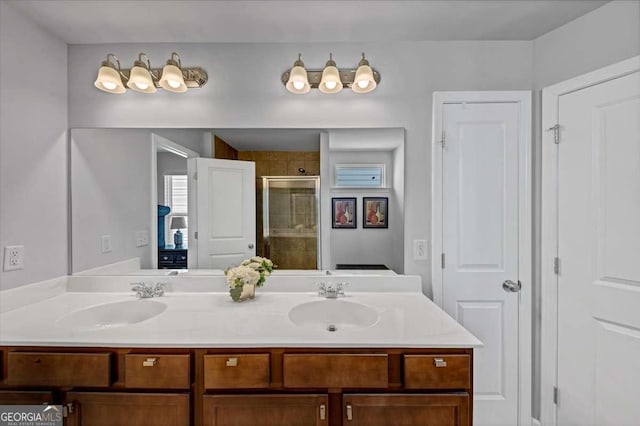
x=226, y=212
x=599, y=251
x=480, y=219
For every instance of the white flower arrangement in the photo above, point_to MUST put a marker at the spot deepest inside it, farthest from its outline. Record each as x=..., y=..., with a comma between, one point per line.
x=252, y=271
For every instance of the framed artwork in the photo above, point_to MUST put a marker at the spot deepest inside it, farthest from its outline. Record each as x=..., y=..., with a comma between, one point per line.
x=344, y=213
x=375, y=212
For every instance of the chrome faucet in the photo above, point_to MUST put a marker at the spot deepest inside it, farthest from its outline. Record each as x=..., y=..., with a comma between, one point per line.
x=331, y=291
x=145, y=291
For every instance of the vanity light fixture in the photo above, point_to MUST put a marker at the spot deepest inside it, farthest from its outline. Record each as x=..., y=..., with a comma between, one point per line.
x=172, y=78
x=142, y=78
x=330, y=82
x=297, y=81
x=364, y=81
x=109, y=79
x=330, y=79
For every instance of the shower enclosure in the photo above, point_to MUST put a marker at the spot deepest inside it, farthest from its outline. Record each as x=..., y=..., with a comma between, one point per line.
x=290, y=221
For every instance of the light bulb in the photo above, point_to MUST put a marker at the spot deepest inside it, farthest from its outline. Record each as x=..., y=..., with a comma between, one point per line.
x=331, y=85
x=173, y=83
x=141, y=85
x=363, y=84
x=109, y=85
x=298, y=85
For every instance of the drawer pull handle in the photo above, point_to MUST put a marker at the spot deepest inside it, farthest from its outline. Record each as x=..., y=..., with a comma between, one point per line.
x=37, y=361
x=149, y=362
x=439, y=362
x=323, y=412
x=232, y=362
x=349, y=412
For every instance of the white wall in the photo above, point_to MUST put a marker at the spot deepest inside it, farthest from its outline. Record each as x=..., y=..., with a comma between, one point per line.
x=109, y=197
x=237, y=96
x=605, y=36
x=33, y=156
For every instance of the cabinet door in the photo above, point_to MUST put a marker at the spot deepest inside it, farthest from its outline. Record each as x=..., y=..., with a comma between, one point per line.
x=128, y=409
x=19, y=397
x=266, y=410
x=406, y=410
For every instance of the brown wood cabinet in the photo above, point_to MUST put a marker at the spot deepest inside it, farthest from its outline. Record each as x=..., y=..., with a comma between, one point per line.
x=127, y=409
x=248, y=386
x=406, y=410
x=266, y=410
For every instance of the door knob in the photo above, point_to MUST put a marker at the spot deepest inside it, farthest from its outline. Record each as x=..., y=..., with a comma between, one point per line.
x=250, y=245
x=512, y=287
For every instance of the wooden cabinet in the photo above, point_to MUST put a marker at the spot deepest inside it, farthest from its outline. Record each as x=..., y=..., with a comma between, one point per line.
x=244, y=387
x=14, y=397
x=59, y=369
x=442, y=371
x=266, y=410
x=236, y=371
x=128, y=409
x=336, y=371
x=153, y=371
x=406, y=410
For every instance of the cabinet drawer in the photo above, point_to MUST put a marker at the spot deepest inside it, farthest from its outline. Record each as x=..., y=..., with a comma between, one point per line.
x=335, y=371
x=165, y=258
x=236, y=371
x=157, y=371
x=59, y=369
x=437, y=371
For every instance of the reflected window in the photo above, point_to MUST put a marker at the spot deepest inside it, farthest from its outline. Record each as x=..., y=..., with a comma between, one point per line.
x=176, y=197
x=359, y=175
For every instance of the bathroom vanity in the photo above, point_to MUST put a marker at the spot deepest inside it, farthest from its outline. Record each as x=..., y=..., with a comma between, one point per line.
x=196, y=358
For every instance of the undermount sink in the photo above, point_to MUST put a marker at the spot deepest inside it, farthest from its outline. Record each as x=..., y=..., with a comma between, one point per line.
x=111, y=315
x=333, y=314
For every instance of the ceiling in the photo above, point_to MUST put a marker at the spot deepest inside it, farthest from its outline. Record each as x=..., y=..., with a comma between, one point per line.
x=134, y=21
x=271, y=139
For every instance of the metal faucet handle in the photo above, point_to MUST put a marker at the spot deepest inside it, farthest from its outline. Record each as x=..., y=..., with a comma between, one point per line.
x=137, y=286
x=322, y=288
x=158, y=290
x=340, y=288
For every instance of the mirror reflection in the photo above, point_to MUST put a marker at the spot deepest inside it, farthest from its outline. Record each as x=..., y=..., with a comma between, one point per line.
x=190, y=200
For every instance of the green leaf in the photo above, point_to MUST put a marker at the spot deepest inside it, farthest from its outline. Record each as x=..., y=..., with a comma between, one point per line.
x=235, y=293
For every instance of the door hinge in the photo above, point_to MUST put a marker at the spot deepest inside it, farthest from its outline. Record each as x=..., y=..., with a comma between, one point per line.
x=555, y=395
x=195, y=176
x=442, y=139
x=67, y=409
x=195, y=235
x=442, y=260
x=556, y=265
x=556, y=133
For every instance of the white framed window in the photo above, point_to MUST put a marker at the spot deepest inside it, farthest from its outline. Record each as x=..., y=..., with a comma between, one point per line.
x=176, y=197
x=359, y=176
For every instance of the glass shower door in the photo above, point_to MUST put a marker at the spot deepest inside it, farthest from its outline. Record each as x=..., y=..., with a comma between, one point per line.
x=290, y=221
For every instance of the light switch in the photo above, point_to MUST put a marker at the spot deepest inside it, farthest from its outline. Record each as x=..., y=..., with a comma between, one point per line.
x=106, y=243
x=142, y=238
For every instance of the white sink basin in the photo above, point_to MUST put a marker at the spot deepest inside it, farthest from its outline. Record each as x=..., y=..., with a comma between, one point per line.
x=111, y=315
x=334, y=314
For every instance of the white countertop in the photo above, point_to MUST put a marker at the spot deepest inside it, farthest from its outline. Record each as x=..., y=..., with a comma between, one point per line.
x=197, y=318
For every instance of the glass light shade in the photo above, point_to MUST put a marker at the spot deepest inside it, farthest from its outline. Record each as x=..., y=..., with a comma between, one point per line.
x=364, y=81
x=298, y=82
x=109, y=80
x=172, y=79
x=330, y=82
x=140, y=80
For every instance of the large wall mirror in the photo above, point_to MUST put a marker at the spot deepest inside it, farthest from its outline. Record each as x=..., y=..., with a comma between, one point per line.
x=195, y=200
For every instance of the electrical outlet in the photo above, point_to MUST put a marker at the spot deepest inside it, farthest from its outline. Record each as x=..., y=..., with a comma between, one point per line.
x=420, y=250
x=106, y=243
x=142, y=238
x=13, y=258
